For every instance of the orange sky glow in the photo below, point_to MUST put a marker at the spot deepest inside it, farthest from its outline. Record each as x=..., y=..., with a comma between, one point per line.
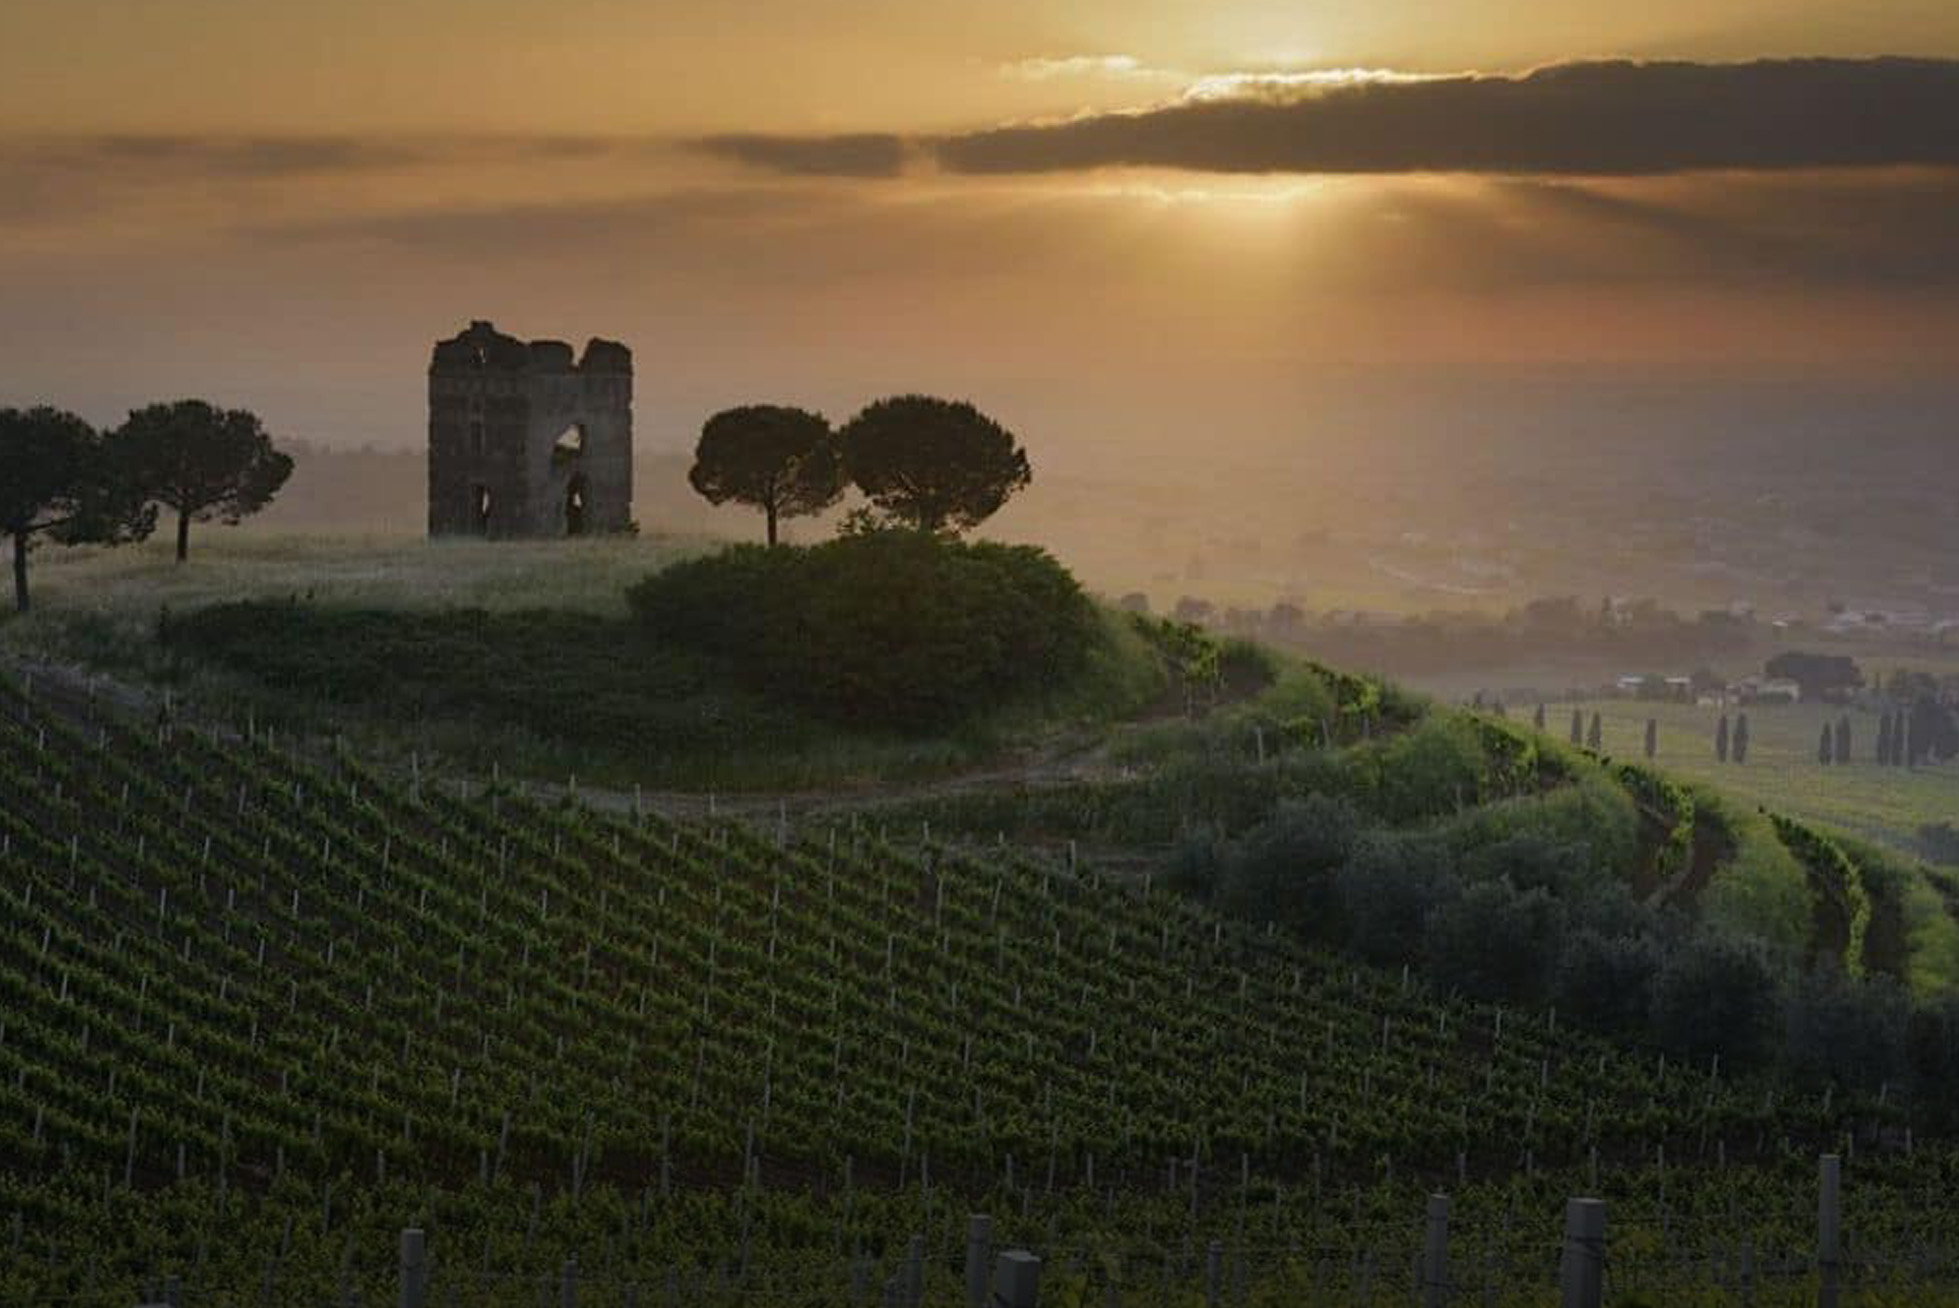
x=283, y=205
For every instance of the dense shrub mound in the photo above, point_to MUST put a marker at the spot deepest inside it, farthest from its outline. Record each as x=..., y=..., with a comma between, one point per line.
x=892, y=628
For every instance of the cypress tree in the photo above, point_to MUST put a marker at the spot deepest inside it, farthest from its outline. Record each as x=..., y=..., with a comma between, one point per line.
x=1884, y=739
x=1577, y=727
x=1721, y=740
x=1741, y=738
x=1595, y=738
x=1537, y=719
x=1843, y=739
x=1826, y=746
x=1652, y=737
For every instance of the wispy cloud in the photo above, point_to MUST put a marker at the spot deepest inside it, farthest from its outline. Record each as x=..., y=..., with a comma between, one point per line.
x=1047, y=68
x=211, y=156
x=1287, y=87
x=220, y=158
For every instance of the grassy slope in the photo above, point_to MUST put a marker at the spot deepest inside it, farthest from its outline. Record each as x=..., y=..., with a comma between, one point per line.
x=456, y=987
x=379, y=656
x=112, y=601
x=688, y=729
x=1734, y=867
x=85, y=594
x=1771, y=892
x=1761, y=891
x=1886, y=805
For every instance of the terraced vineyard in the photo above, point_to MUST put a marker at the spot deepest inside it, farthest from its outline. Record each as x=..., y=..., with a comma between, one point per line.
x=258, y=1012
x=1879, y=804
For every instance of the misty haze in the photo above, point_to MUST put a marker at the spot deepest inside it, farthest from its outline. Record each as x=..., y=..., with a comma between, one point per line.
x=1008, y=655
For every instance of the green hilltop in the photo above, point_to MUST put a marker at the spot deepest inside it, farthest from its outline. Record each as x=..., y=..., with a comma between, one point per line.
x=262, y=1009
x=1188, y=943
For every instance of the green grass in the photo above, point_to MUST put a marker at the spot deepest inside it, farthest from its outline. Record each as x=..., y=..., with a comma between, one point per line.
x=263, y=1014
x=1881, y=804
x=519, y=657
x=1762, y=891
x=126, y=587
x=524, y=658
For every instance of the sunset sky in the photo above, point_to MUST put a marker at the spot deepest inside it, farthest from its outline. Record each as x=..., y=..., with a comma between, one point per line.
x=1098, y=219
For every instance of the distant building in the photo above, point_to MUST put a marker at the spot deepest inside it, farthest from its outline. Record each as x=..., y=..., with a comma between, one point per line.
x=1648, y=686
x=525, y=441
x=1910, y=619
x=1766, y=690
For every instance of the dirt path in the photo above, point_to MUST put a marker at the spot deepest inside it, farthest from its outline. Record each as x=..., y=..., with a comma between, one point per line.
x=1076, y=757
x=1059, y=764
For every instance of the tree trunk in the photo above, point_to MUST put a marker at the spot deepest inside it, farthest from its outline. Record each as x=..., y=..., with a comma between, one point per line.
x=769, y=511
x=183, y=534
x=20, y=572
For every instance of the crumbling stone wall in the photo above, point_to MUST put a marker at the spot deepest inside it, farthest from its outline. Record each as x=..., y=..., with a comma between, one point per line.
x=527, y=442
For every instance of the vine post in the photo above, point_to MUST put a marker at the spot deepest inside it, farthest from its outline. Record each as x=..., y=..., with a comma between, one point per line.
x=1829, y=1223
x=1017, y=1280
x=914, y=1271
x=979, y=1252
x=1435, y=1254
x=1582, y=1272
x=414, y=1268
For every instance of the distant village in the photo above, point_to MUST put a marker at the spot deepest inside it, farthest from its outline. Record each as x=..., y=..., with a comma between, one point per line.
x=1660, y=654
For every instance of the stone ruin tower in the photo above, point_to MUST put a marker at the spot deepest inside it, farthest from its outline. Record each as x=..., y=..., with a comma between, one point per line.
x=525, y=441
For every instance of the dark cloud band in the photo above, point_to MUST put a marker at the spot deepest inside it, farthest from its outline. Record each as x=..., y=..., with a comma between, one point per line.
x=208, y=156
x=864, y=154
x=1598, y=119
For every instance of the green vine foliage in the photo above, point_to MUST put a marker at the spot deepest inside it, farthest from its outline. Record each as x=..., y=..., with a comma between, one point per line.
x=1836, y=883
x=1674, y=804
x=264, y=1009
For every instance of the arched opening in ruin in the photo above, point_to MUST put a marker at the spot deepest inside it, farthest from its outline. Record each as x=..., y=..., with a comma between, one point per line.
x=570, y=443
x=575, y=506
x=482, y=510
